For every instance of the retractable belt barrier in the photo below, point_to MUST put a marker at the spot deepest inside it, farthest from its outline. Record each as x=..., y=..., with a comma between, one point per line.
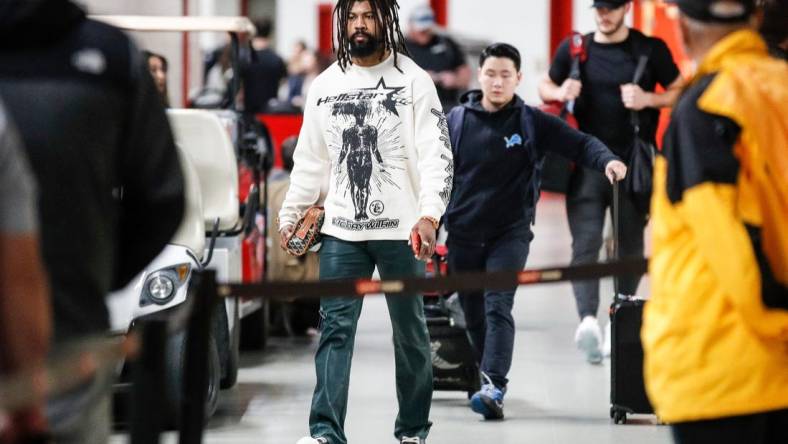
x=25, y=389
x=456, y=282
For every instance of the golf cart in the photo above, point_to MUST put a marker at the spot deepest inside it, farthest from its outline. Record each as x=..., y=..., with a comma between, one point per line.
x=223, y=159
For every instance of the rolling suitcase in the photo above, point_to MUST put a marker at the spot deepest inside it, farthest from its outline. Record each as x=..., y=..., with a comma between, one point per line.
x=627, y=388
x=454, y=366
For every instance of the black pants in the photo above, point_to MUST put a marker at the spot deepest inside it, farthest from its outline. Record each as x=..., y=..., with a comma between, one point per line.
x=590, y=195
x=762, y=428
x=488, y=314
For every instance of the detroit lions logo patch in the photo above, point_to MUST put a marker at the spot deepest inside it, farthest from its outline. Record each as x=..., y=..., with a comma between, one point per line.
x=513, y=140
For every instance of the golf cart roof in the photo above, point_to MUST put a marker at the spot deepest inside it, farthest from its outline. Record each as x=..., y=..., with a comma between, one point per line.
x=238, y=25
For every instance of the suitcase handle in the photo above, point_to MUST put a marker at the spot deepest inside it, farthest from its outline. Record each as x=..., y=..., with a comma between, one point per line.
x=615, y=222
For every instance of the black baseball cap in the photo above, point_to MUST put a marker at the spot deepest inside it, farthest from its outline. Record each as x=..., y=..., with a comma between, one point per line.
x=611, y=4
x=717, y=11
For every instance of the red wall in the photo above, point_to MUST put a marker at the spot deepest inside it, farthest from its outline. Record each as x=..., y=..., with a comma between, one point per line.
x=281, y=126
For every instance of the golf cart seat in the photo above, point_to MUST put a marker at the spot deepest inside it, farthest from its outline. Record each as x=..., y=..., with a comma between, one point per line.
x=191, y=232
x=205, y=140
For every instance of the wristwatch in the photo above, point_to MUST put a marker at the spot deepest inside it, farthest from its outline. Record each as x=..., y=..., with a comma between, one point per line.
x=432, y=220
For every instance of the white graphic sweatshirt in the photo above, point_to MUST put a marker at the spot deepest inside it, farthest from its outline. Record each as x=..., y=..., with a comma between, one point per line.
x=379, y=138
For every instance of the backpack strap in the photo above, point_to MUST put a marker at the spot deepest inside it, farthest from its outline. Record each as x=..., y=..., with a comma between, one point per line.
x=641, y=50
x=534, y=155
x=455, y=119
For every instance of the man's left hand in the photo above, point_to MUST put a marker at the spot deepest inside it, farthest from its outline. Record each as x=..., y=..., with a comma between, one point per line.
x=634, y=97
x=427, y=234
x=616, y=171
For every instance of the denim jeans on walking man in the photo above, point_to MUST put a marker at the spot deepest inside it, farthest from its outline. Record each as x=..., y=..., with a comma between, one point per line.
x=488, y=314
x=339, y=317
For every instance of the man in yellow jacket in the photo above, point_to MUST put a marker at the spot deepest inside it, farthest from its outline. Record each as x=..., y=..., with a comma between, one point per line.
x=715, y=332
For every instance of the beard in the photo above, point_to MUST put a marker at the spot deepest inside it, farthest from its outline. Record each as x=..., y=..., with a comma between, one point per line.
x=365, y=48
x=613, y=29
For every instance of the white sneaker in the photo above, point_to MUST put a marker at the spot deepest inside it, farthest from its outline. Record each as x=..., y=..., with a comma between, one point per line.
x=310, y=440
x=607, y=343
x=588, y=338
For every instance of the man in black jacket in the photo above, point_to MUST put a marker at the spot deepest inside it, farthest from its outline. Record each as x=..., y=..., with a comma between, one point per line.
x=498, y=144
x=110, y=185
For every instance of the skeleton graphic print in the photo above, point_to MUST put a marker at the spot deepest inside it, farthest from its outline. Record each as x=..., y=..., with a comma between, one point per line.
x=364, y=128
x=359, y=143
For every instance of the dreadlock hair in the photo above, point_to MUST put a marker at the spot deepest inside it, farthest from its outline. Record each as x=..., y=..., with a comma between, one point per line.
x=386, y=14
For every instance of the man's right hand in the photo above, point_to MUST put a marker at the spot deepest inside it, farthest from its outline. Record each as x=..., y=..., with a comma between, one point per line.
x=284, y=235
x=570, y=90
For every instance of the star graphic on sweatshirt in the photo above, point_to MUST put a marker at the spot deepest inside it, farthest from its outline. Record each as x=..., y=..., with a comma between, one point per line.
x=390, y=102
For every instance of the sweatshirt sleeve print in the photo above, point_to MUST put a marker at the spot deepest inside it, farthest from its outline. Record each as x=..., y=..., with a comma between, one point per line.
x=311, y=165
x=433, y=147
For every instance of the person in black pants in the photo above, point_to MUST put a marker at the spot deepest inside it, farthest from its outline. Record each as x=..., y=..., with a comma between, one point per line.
x=498, y=144
x=604, y=97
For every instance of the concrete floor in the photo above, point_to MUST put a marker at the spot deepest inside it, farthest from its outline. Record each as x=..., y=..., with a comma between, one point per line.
x=554, y=395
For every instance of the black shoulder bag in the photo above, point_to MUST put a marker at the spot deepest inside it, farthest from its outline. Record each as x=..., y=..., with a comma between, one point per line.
x=640, y=165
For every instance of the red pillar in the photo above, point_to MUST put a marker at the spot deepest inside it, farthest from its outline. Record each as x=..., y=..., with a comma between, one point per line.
x=325, y=26
x=560, y=22
x=441, y=9
x=637, y=15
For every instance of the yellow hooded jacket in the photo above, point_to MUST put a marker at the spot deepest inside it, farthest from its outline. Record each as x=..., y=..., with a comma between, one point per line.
x=715, y=332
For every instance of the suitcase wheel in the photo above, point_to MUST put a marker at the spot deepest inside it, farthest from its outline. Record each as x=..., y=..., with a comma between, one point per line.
x=619, y=416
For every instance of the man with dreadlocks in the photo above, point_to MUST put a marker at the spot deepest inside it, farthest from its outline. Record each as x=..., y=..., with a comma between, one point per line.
x=374, y=131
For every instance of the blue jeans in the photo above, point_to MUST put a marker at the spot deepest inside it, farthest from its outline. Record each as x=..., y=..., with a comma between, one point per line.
x=488, y=314
x=339, y=317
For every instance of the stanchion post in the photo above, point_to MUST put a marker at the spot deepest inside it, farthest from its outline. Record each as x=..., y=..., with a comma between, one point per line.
x=148, y=376
x=195, y=376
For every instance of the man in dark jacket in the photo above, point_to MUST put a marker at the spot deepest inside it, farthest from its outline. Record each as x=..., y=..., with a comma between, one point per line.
x=110, y=185
x=498, y=144
x=264, y=72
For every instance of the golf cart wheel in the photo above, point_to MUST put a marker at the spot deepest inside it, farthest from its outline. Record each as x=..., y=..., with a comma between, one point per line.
x=175, y=359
